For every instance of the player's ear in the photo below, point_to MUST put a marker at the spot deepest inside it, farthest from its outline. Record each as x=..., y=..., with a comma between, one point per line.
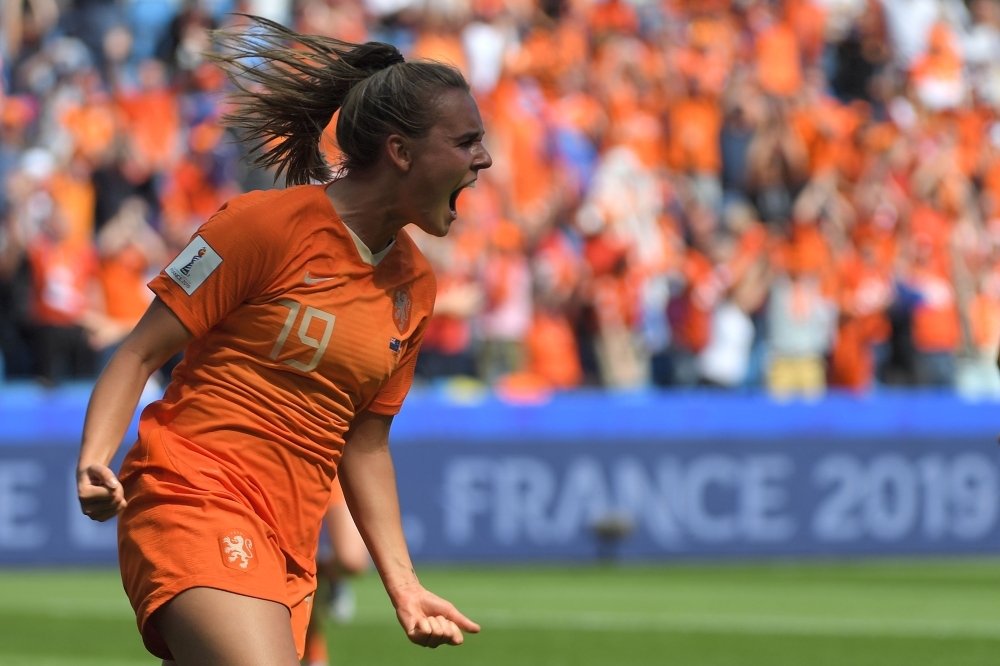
x=400, y=151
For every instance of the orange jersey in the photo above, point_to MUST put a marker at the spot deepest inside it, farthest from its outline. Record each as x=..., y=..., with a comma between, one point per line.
x=298, y=328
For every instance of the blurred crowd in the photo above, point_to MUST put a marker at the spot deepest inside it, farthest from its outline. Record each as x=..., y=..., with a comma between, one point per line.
x=788, y=194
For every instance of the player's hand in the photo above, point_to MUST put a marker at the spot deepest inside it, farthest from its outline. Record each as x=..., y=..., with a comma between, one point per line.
x=101, y=494
x=428, y=619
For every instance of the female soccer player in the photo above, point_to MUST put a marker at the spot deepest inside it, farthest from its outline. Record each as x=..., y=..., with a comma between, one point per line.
x=300, y=312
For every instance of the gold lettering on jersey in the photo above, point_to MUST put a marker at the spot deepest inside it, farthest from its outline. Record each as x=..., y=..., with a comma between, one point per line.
x=303, y=333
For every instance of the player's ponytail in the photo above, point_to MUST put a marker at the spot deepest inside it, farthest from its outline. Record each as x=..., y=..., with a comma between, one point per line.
x=286, y=96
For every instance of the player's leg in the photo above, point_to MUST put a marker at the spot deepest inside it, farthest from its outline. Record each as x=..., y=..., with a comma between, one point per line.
x=208, y=627
x=350, y=559
x=316, y=653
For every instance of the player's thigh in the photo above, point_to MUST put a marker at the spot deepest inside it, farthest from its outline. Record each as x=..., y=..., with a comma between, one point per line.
x=208, y=627
x=348, y=546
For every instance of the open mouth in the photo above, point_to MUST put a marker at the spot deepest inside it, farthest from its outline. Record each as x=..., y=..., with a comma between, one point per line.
x=453, y=200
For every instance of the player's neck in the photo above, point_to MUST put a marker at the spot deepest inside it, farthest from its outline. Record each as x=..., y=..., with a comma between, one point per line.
x=368, y=207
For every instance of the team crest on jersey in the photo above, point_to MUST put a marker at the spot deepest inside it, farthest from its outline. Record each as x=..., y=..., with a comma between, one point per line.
x=238, y=550
x=402, y=304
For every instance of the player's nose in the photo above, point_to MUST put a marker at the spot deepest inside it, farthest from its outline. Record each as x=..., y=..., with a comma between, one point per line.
x=482, y=160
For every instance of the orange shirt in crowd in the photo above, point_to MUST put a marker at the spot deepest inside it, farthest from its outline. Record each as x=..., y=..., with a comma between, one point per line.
x=92, y=126
x=936, y=325
x=691, y=318
x=523, y=139
x=942, y=61
x=779, y=69
x=298, y=328
x=62, y=275
x=751, y=246
x=126, y=296
x=991, y=176
x=807, y=252
x=189, y=195
x=826, y=128
x=984, y=320
x=441, y=46
x=552, y=351
x=709, y=58
x=971, y=126
x=548, y=53
x=152, y=123
x=865, y=293
x=642, y=132
x=613, y=16
x=808, y=19
x=931, y=231
x=76, y=198
x=695, y=124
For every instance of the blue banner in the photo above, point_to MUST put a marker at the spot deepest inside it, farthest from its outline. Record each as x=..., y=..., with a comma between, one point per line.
x=586, y=475
x=536, y=500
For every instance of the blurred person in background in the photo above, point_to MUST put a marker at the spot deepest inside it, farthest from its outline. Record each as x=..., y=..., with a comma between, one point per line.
x=448, y=348
x=730, y=358
x=776, y=163
x=801, y=325
x=506, y=316
x=553, y=355
x=130, y=253
x=691, y=311
x=64, y=278
x=16, y=359
x=976, y=375
x=801, y=310
x=714, y=103
x=347, y=557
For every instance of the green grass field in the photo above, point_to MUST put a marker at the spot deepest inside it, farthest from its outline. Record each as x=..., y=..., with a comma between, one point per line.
x=912, y=612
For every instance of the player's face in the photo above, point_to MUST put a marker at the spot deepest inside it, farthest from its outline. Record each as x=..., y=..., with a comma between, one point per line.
x=447, y=161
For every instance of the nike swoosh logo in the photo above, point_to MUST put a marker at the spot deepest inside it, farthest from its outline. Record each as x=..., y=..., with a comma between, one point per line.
x=309, y=280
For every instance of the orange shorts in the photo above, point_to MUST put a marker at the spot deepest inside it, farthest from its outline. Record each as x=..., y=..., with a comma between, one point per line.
x=337, y=494
x=184, y=529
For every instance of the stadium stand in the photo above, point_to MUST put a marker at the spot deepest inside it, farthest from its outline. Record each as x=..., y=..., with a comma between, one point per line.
x=793, y=195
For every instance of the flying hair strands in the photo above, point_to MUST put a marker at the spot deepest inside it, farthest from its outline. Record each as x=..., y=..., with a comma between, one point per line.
x=286, y=96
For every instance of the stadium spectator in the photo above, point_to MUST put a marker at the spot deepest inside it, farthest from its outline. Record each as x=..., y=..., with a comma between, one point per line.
x=130, y=250
x=64, y=272
x=892, y=104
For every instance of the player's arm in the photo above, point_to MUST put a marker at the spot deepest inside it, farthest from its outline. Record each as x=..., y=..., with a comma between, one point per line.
x=157, y=337
x=369, y=482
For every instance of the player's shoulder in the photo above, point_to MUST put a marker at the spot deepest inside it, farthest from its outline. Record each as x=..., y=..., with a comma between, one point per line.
x=273, y=216
x=276, y=203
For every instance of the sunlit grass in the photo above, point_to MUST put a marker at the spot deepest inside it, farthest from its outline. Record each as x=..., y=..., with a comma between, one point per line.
x=882, y=612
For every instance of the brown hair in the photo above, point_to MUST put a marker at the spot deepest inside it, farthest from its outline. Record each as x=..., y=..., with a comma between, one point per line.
x=287, y=96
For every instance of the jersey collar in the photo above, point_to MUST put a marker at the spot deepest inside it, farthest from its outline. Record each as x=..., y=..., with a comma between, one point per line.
x=365, y=252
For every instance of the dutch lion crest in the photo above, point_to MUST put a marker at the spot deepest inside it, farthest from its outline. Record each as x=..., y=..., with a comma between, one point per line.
x=402, y=304
x=237, y=551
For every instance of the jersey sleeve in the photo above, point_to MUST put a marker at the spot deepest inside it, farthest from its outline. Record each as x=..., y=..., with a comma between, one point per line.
x=231, y=258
